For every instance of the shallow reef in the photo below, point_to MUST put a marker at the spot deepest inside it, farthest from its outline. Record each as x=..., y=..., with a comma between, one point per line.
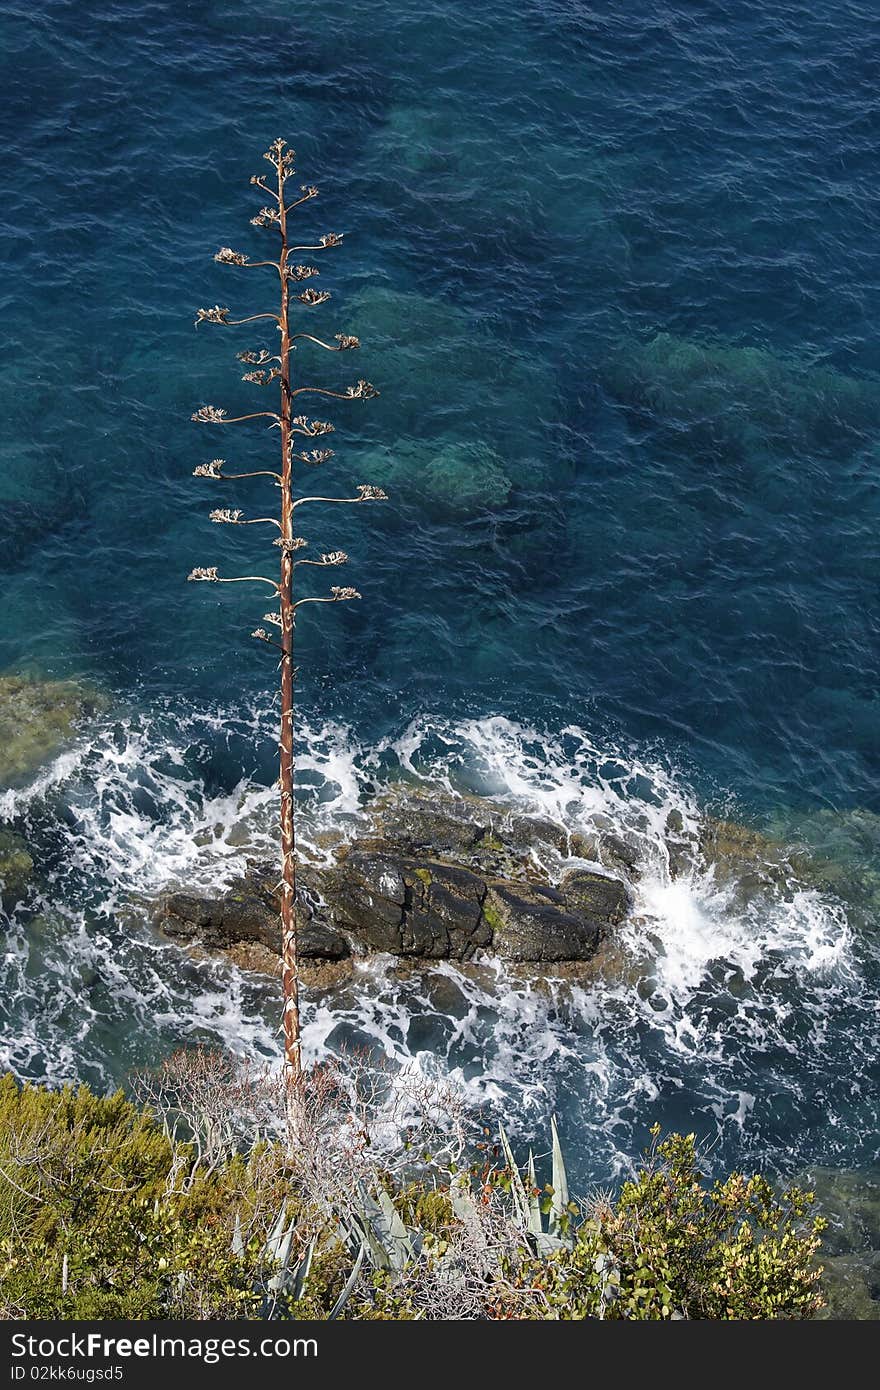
x=745, y=397
x=37, y=717
x=490, y=390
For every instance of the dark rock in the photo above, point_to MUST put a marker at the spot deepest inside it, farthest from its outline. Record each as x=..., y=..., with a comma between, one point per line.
x=434, y=877
x=532, y=923
x=407, y=907
x=441, y=822
x=599, y=896
x=249, y=912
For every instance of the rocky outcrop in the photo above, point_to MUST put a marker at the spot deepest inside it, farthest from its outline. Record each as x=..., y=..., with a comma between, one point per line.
x=434, y=877
x=246, y=914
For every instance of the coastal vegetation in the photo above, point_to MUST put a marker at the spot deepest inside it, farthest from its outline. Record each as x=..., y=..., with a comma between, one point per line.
x=393, y=1207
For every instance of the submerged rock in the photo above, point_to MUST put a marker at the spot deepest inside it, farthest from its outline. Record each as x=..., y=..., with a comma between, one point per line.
x=418, y=342
x=16, y=866
x=746, y=396
x=37, y=717
x=450, y=480
x=851, y=1284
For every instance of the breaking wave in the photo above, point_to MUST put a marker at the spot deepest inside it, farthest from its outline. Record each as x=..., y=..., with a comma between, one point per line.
x=736, y=1008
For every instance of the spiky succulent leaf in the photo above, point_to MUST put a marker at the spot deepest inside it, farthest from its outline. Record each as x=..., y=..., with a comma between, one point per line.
x=517, y=1190
x=350, y=1282
x=535, y=1225
x=560, y=1186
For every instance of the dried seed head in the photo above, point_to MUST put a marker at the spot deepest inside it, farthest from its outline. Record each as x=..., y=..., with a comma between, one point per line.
x=215, y=315
x=341, y=594
x=266, y=217
x=260, y=378
x=334, y=557
x=209, y=414
x=368, y=493
x=226, y=256
x=312, y=297
x=301, y=272
x=262, y=634
x=275, y=150
x=209, y=470
x=363, y=391
x=291, y=544
x=331, y=238
x=272, y=618
x=254, y=358
x=309, y=190
x=312, y=427
x=224, y=517
x=209, y=574
x=313, y=456
x=347, y=341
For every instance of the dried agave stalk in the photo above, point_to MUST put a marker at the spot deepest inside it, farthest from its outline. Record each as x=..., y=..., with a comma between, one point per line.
x=271, y=366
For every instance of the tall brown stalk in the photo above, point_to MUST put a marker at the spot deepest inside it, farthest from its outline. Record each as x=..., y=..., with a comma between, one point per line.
x=267, y=367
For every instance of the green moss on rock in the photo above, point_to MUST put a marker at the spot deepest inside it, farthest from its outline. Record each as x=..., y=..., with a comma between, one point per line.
x=37, y=717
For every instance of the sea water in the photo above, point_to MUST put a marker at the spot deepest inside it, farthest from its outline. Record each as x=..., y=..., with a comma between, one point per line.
x=616, y=270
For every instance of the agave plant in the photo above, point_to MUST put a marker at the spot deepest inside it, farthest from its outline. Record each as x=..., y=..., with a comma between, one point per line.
x=527, y=1203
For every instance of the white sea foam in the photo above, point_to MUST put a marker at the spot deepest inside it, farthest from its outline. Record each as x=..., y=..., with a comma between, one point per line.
x=718, y=984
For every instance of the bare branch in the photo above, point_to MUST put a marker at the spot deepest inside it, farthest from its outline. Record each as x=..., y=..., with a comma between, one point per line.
x=300, y=424
x=363, y=391
x=308, y=191
x=313, y=456
x=257, y=359
x=327, y=240
x=337, y=596
x=300, y=272
x=333, y=557
x=261, y=378
x=216, y=415
x=366, y=493
x=257, y=181
x=313, y=297
x=209, y=575
x=214, y=470
x=224, y=517
x=344, y=341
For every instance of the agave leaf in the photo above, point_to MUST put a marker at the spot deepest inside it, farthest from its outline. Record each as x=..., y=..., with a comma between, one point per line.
x=281, y=1281
x=535, y=1226
x=272, y=1248
x=349, y=1286
x=463, y=1204
x=383, y=1226
x=397, y=1238
x=379, y=1257
x=560, y=1185
x=518, y=1192
x=237, y=1238
x=301, y=1273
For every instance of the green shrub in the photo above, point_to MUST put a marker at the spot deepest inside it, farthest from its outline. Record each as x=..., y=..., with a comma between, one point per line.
x=104, y=1216
x=670, y=1246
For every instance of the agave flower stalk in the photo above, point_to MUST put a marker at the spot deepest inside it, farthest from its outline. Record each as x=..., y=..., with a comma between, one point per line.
x=276, y=366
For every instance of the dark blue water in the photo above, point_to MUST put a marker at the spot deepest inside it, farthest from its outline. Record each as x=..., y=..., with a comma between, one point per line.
x=616, y=270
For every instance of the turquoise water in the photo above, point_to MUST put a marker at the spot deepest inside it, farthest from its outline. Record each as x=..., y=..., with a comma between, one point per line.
x=617, y=274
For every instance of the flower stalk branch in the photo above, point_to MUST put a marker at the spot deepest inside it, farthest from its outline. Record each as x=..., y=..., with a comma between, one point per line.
x=269, y=367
